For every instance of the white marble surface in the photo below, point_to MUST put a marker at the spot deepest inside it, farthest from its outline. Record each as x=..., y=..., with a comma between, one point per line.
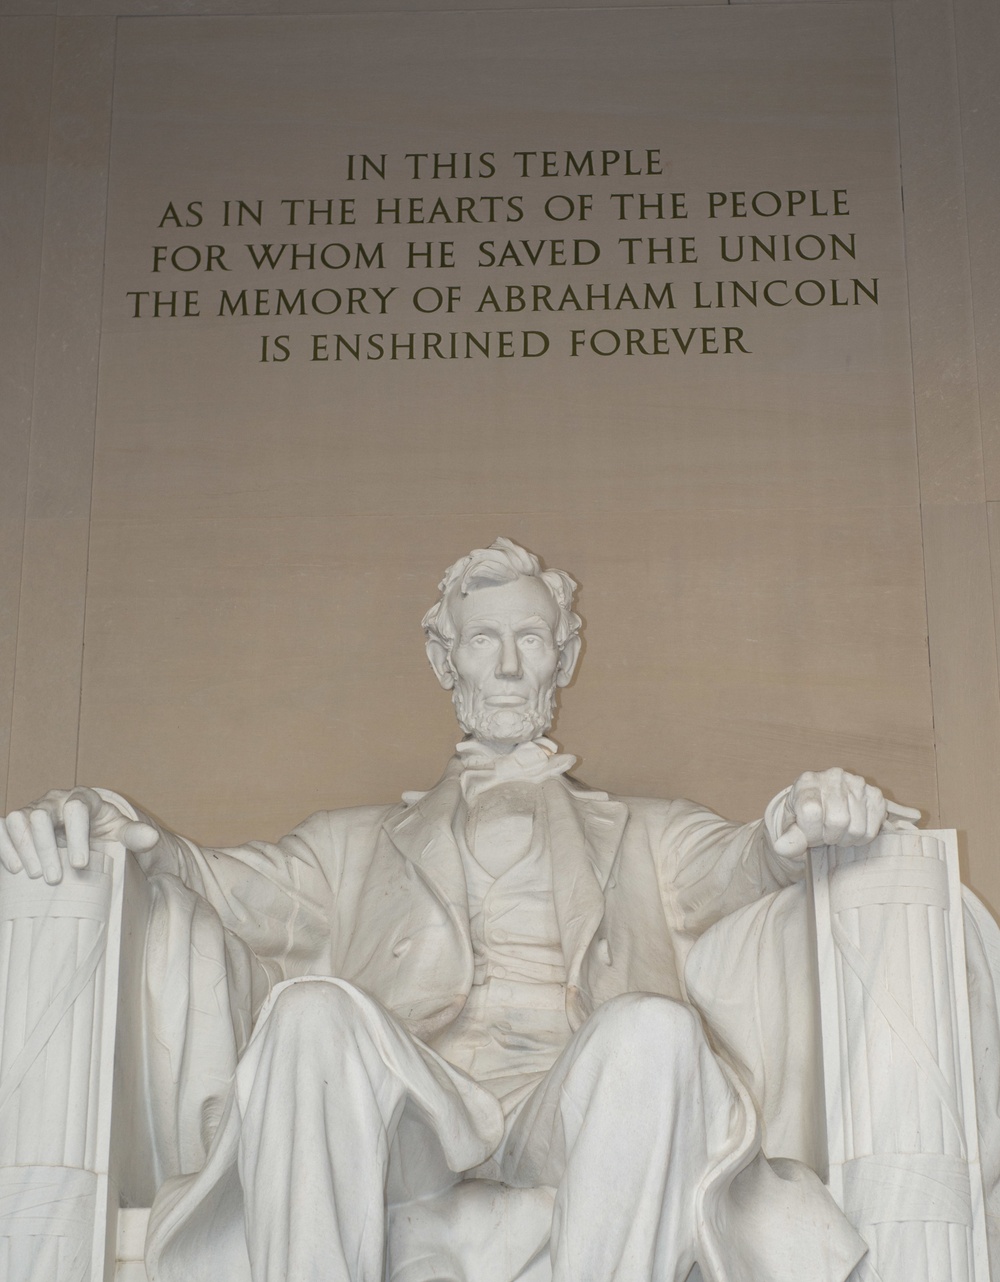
x=898, y=1064
x=487, y=979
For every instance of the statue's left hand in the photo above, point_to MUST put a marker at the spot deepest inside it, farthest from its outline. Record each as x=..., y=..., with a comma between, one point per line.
x=831, y=808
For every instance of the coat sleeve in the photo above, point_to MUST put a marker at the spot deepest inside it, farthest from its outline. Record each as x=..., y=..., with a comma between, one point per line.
x=709, y=867
x=280, y=898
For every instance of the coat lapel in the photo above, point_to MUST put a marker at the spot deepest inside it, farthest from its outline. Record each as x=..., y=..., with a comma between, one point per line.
x=411, y=947
x=423, y=835
x=584, y=833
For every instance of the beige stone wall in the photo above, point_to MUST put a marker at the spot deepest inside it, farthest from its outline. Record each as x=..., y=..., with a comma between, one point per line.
x=769, y=583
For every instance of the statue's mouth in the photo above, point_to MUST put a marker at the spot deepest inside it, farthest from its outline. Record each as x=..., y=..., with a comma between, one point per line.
x=505, y=700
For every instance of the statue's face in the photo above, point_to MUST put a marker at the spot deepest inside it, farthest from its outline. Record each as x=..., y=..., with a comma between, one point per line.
x=505, y=661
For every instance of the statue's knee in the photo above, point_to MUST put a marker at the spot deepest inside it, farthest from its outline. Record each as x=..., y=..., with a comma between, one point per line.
x=312, y=1010
x=651, y=1026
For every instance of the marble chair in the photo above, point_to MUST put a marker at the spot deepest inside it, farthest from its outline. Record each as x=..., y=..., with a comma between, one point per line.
x=80, y=1157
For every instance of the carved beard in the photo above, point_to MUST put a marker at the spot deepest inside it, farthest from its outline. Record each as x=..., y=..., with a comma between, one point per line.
x=503, y=725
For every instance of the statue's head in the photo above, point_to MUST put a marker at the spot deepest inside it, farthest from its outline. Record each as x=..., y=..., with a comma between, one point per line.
x=503, y=637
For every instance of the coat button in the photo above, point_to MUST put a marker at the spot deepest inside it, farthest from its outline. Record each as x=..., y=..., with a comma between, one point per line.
x=401, y=947
x=604, y=951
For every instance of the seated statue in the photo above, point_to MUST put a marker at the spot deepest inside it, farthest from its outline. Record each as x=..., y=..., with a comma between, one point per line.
x=478, y=991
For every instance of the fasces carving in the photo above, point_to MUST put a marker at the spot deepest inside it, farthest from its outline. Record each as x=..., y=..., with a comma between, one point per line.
x=898, y=1063
x=57, y=980
x=511, y=1028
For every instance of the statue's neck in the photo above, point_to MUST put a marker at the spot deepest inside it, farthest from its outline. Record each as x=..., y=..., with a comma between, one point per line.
x=500, y=748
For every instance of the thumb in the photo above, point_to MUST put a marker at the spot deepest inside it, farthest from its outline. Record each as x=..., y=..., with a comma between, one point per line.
x=139, y=837
x=792, y=842
x=109, y=823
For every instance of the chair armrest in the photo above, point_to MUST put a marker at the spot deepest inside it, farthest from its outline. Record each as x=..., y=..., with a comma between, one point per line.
x=64, y=977
x=897, y=1055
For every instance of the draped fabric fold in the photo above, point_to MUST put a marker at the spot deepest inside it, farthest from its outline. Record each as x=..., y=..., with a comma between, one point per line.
x=201, y=989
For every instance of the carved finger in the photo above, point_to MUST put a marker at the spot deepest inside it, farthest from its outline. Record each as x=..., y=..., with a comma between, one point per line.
x=877, y=808
x=9, y=857
x=140, y=837
x=42, y=834
x=836, y=817
x=94, y=802
x=857, y=827
x=808, y=809
x=792, y=842
x=17, y=826
x=76, y=819
x=895, y=811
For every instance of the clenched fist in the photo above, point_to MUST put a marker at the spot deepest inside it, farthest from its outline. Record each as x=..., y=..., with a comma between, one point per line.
x=830, y=808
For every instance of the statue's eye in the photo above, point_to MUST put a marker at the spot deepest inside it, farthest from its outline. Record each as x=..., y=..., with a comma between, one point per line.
x=481, y=640
x=530, y=640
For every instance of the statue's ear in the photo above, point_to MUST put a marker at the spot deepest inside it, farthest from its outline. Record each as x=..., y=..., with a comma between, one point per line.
x=568, y=657
x=437, y=652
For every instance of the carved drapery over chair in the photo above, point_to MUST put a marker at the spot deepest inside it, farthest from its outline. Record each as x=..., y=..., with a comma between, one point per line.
x=87, y=1132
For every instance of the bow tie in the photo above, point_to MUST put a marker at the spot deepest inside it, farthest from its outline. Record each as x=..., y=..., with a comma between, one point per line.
x=534, y=762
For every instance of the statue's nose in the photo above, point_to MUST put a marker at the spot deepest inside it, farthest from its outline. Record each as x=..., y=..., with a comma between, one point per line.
x=509, y=660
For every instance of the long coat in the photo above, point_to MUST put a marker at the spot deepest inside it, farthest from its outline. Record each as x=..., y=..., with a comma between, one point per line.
x=377, y=896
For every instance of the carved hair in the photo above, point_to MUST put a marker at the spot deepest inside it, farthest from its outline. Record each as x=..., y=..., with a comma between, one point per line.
x=502, y=562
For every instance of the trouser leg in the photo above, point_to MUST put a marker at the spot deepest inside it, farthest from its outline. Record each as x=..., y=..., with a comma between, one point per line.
x=625, y=1126
x=321, y=1089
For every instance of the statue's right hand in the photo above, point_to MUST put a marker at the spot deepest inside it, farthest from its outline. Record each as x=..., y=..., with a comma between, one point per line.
x=58, y=828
